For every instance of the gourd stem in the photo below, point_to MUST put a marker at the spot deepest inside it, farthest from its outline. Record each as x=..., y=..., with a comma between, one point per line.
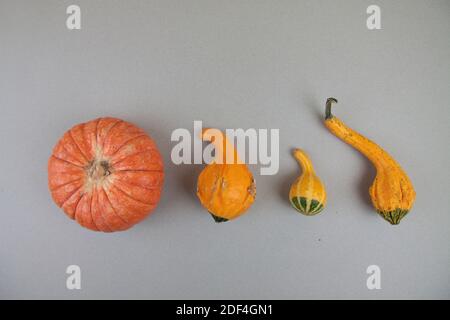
x=328, y=105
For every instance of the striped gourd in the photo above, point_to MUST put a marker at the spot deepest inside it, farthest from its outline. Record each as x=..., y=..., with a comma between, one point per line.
x=307, y=194
x=392, y=192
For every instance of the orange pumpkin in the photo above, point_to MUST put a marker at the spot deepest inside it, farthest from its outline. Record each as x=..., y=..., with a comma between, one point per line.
x=107, y=174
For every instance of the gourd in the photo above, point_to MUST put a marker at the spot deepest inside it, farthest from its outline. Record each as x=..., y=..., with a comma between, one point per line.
x=225, y=187
x=307, y=193
x=107, y=174
x=392, y=192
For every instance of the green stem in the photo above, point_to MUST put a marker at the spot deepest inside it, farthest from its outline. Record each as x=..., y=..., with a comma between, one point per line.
x=328, y=105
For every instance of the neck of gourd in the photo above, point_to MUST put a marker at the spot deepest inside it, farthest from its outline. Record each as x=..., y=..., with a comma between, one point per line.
x=367, y=147
x=225, y=152
x=304, y=161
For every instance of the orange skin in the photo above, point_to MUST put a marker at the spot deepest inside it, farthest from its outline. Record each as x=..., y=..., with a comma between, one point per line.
x=107, y=174
x=225, y=189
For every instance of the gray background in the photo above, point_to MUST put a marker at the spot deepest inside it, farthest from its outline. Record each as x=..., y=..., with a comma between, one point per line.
x=249, y=64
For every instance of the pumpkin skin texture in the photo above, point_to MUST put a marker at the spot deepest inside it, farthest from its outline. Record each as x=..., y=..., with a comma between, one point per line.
x=307, y=194
x=107, y=174
x=225, y=188
x=392, y=192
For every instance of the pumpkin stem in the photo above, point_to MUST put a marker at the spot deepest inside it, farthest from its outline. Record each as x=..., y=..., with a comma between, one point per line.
x=328, y=105
x=99, y=169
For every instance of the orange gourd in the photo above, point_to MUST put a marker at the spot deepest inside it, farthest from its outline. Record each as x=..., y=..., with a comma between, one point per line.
x=225, y=188
x=392, y=192
x=107, y=174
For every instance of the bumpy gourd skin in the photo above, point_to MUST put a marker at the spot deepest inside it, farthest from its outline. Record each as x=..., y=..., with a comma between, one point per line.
x=307, y=194
x=392, y=192
x=225, y=189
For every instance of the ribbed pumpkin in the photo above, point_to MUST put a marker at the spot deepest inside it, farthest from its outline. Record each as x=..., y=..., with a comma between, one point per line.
x=307, y=194
x=107, y=174
x=392, y=192
x=225, y=187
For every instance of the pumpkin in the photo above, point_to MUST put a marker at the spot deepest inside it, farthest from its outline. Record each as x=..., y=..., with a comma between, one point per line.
x=307, y=194
x=392, y=192
x=225, y=188
x=107, y=174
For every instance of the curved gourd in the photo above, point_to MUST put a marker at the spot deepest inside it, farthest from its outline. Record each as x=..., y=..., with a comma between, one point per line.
x=392, y=192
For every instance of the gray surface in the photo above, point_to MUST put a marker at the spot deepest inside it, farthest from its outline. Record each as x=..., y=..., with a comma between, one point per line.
x=259, y=64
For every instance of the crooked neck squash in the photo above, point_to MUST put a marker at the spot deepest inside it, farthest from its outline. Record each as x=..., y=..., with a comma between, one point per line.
x=392, y=192
x=225, y=187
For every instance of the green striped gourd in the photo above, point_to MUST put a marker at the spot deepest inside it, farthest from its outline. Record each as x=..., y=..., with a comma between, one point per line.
x=307, y=194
